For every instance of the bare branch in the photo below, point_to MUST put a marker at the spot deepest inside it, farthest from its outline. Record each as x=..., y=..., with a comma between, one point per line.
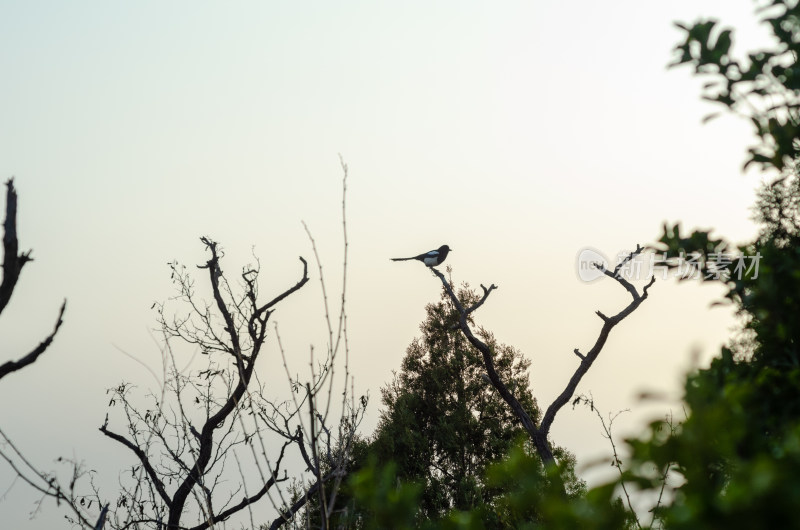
x=588, y=359
x=246, y=501
x=12, y=262
x=151, y=472
x=628, y=258
x=45, y=483
x=12, y=267
x=480, y=302
x=288, y=292
x=616, y=462
x=30, y=358
x=315, y=455
x=539, y=434
x=538, y=437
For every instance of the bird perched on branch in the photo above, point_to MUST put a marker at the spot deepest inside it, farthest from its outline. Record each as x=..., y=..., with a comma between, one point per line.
x=432, y=258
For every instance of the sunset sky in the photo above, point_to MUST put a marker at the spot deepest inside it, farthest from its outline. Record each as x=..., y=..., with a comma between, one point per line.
x=516, y=132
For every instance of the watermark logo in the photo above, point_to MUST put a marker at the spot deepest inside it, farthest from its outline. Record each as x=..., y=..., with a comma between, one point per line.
x=588, y=264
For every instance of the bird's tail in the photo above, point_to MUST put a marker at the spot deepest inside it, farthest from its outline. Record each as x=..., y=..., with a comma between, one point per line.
x=401, y=259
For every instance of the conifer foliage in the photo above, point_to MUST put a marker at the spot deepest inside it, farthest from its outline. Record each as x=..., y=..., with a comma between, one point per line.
x=443, y=423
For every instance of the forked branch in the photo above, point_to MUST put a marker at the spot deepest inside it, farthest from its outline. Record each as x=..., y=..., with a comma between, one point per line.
x=608, y=324
x=539, y=434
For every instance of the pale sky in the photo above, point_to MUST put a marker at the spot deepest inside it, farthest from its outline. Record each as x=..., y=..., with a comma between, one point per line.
x=516, y=132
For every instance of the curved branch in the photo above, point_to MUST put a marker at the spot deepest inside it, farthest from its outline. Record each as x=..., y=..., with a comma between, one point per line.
x=148, y=467
x=588, y=359
x=13, y=366
x=287, y=292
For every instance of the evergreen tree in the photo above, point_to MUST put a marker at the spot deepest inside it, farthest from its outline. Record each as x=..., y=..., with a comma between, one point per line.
x=443, y=423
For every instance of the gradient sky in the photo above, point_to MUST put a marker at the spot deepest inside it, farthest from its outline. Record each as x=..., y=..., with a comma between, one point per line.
x=516, y=132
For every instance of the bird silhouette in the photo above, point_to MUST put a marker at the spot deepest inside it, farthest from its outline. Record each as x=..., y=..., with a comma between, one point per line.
x=431, y=258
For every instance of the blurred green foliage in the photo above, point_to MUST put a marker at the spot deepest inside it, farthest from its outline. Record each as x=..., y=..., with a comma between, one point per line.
x=735, y=456
x=763, y=86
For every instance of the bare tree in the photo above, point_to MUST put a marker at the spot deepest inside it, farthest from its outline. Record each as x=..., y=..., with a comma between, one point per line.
x=539, y=433
x=195, y=438
x=13, y=261
x=190, y=438
x=170, y=449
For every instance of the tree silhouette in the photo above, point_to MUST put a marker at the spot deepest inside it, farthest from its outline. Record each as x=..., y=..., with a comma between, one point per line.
x=13, y=261
x=186, y=439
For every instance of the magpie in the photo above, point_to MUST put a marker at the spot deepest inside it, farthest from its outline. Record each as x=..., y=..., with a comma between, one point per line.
x=432, y=258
